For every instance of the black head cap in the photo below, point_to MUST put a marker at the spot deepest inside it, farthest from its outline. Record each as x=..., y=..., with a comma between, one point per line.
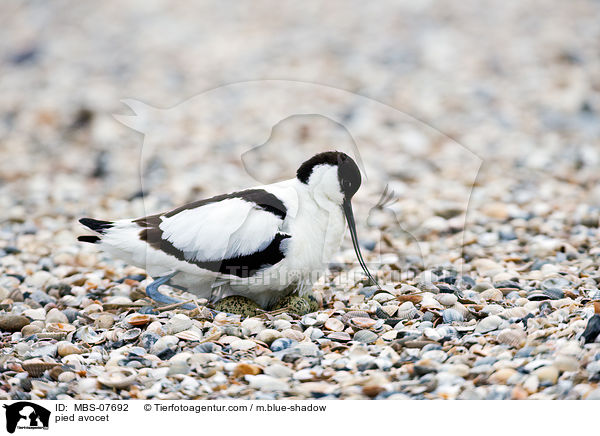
x=348, y=172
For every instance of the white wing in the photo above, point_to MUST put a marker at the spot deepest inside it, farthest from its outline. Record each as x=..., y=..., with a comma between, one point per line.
x=222, y=230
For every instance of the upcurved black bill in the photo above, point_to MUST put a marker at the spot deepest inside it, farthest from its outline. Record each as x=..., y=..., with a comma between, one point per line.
x=347, y=206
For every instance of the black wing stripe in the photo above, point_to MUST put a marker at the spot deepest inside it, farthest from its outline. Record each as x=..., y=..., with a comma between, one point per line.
x=240, y=266
x=263, y=199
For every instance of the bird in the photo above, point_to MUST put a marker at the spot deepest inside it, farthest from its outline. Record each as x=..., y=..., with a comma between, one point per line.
x=262, y=243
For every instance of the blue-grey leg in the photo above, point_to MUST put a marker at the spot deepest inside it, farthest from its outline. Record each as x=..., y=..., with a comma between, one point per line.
x=152, y=292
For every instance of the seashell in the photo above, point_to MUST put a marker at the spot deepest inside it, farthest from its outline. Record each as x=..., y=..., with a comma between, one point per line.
x=51, y=335
x=378, y=325
x=383, y=297
x=492, y=294
x=555, y=283
x=365, y=336
x=404, y=314
x=92, y=308
x=118, y=377
x=464, y=327
x=208, y=347
x=514, y=312
x=406, y=305
x=561, y=303
x=390, y=335
x=59, y=327
x=282, y=343
x=104, y=321
x=64, y=348
x=178, y=323
x=89, y=336
x=554, y=293
x=545, y=294
x=362, y=323
x=139, y=319
x=308, y=321
x=415, y=299
x=253, y=325
x=431, y=333
x=512, y=337
x=430, y=303
x=390, y=309
x=460, y=308
x=29, y=330
x=354, y=314
x=380, y=313
x=131, y=334
x=446, y=331
x=451, y=315
x=492, y=309
x=114, y=334
x=189, y=335
x=447, y=299
x=37, y=367
x=293, y=334
x=339, y=336
x=334, y=324
x=393, y=321
x=488, y=324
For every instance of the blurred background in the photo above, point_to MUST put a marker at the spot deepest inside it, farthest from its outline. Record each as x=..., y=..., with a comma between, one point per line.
x=488, y=102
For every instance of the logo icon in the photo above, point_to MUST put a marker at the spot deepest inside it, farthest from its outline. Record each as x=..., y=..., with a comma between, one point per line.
x=26, y=415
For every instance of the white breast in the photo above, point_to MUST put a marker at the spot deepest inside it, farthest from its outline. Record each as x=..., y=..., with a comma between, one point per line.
x=317, y=232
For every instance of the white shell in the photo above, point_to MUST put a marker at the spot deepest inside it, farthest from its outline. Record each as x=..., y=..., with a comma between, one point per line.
x=118, y=377
x=488, y=324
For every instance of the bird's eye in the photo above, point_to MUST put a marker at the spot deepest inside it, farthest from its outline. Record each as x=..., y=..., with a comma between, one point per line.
x=347, y=184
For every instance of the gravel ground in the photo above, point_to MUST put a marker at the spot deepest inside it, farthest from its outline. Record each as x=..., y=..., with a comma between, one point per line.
x=480, y=116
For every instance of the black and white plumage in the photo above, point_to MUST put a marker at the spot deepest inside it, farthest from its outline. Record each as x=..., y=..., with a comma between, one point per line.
x=258, y=243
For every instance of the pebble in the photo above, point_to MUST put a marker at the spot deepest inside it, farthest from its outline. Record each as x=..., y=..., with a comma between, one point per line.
x=546, y=374
x=266, y=383
x=268, y=336
x=279, y=371
x=242, y=369
x=56, y=316
x=253, y=325
x=293, y=334
x=13, y=323
x=39, y=279
x=66, y=377
x=178, y=367
x=307, y=349
x=104, y=321
x=503, y=375
x=29, y=330
x=566, y=363
x=282, y=344
x=35, y=314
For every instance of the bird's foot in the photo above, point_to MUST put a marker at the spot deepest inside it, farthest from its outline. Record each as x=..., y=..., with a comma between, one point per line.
x=154, y=294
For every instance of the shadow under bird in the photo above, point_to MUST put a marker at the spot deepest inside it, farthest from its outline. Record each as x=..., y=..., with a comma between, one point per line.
x=262, y=243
